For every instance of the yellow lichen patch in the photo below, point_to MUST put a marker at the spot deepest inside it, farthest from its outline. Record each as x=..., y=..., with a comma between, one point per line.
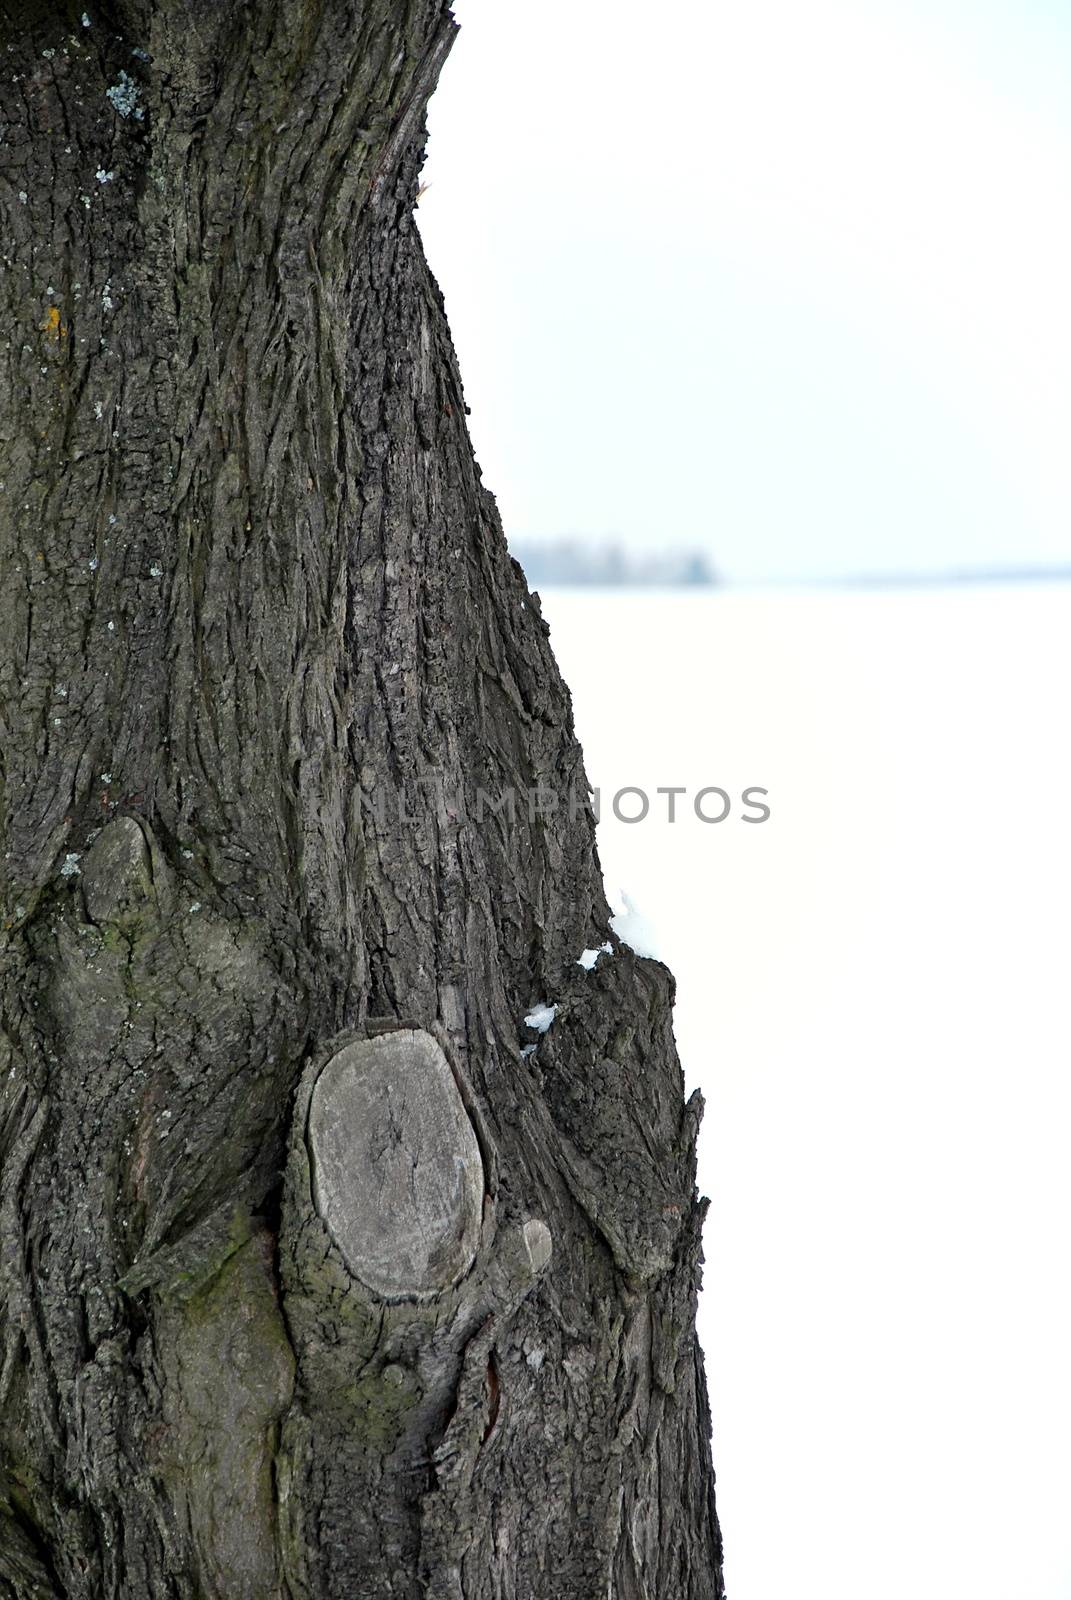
x=52, y=326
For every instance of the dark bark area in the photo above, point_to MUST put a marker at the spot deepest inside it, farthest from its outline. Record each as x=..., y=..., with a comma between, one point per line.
x=262, y=648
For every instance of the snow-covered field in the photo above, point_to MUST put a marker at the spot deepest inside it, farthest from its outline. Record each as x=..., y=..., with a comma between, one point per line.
x=874, y=997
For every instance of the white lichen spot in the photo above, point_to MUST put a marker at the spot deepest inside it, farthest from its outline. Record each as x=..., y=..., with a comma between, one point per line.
x=23, y=196
x=112, y=519
x=140, y=54
x=85, y=20
x=48, y=54
x=528, y=1050
x=20, y=911
x=106, y=299
x=187, y=855
x=196, y=906
x=124, y=97
x=104, y=177
x=57, y=722
x=156, y=571
x=98, y=410
x=105, y=777
x=540, y=1017
x=535, y=1359
x=86, y=201
x=111, y=627
x=70, y=867
x=93, y=563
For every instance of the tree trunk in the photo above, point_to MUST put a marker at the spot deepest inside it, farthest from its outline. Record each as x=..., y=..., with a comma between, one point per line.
x=315, y=1281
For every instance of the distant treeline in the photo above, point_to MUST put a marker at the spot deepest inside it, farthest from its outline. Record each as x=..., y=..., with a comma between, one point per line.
x=572, y=562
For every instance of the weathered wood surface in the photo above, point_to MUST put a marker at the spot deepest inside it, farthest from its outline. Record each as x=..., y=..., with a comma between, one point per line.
x=397, y=1174
x=262, y=647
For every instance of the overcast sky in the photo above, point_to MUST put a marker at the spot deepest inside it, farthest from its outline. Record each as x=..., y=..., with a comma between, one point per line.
x=786, y=282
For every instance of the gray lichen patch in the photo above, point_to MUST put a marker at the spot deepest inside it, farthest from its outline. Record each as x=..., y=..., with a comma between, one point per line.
x=124, y=97
x=397, y=1173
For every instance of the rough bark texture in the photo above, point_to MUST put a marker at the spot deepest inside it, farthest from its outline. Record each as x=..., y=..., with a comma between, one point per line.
x=253, y=597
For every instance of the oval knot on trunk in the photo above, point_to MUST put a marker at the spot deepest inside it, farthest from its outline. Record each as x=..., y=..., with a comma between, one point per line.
x=397, y=1173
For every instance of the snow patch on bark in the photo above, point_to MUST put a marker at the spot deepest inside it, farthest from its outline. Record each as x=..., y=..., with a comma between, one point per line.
x=588, y=958
x=541, y=1017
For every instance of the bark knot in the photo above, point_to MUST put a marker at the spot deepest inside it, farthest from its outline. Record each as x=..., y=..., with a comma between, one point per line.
x=397, y=1173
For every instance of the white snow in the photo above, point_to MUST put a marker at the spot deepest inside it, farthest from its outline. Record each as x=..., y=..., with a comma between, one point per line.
x=541, y=1017
x=634, y=929
x=588, y=958
x=871, y=994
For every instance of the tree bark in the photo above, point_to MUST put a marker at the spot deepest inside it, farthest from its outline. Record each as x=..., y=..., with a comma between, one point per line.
x=314, y=1281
